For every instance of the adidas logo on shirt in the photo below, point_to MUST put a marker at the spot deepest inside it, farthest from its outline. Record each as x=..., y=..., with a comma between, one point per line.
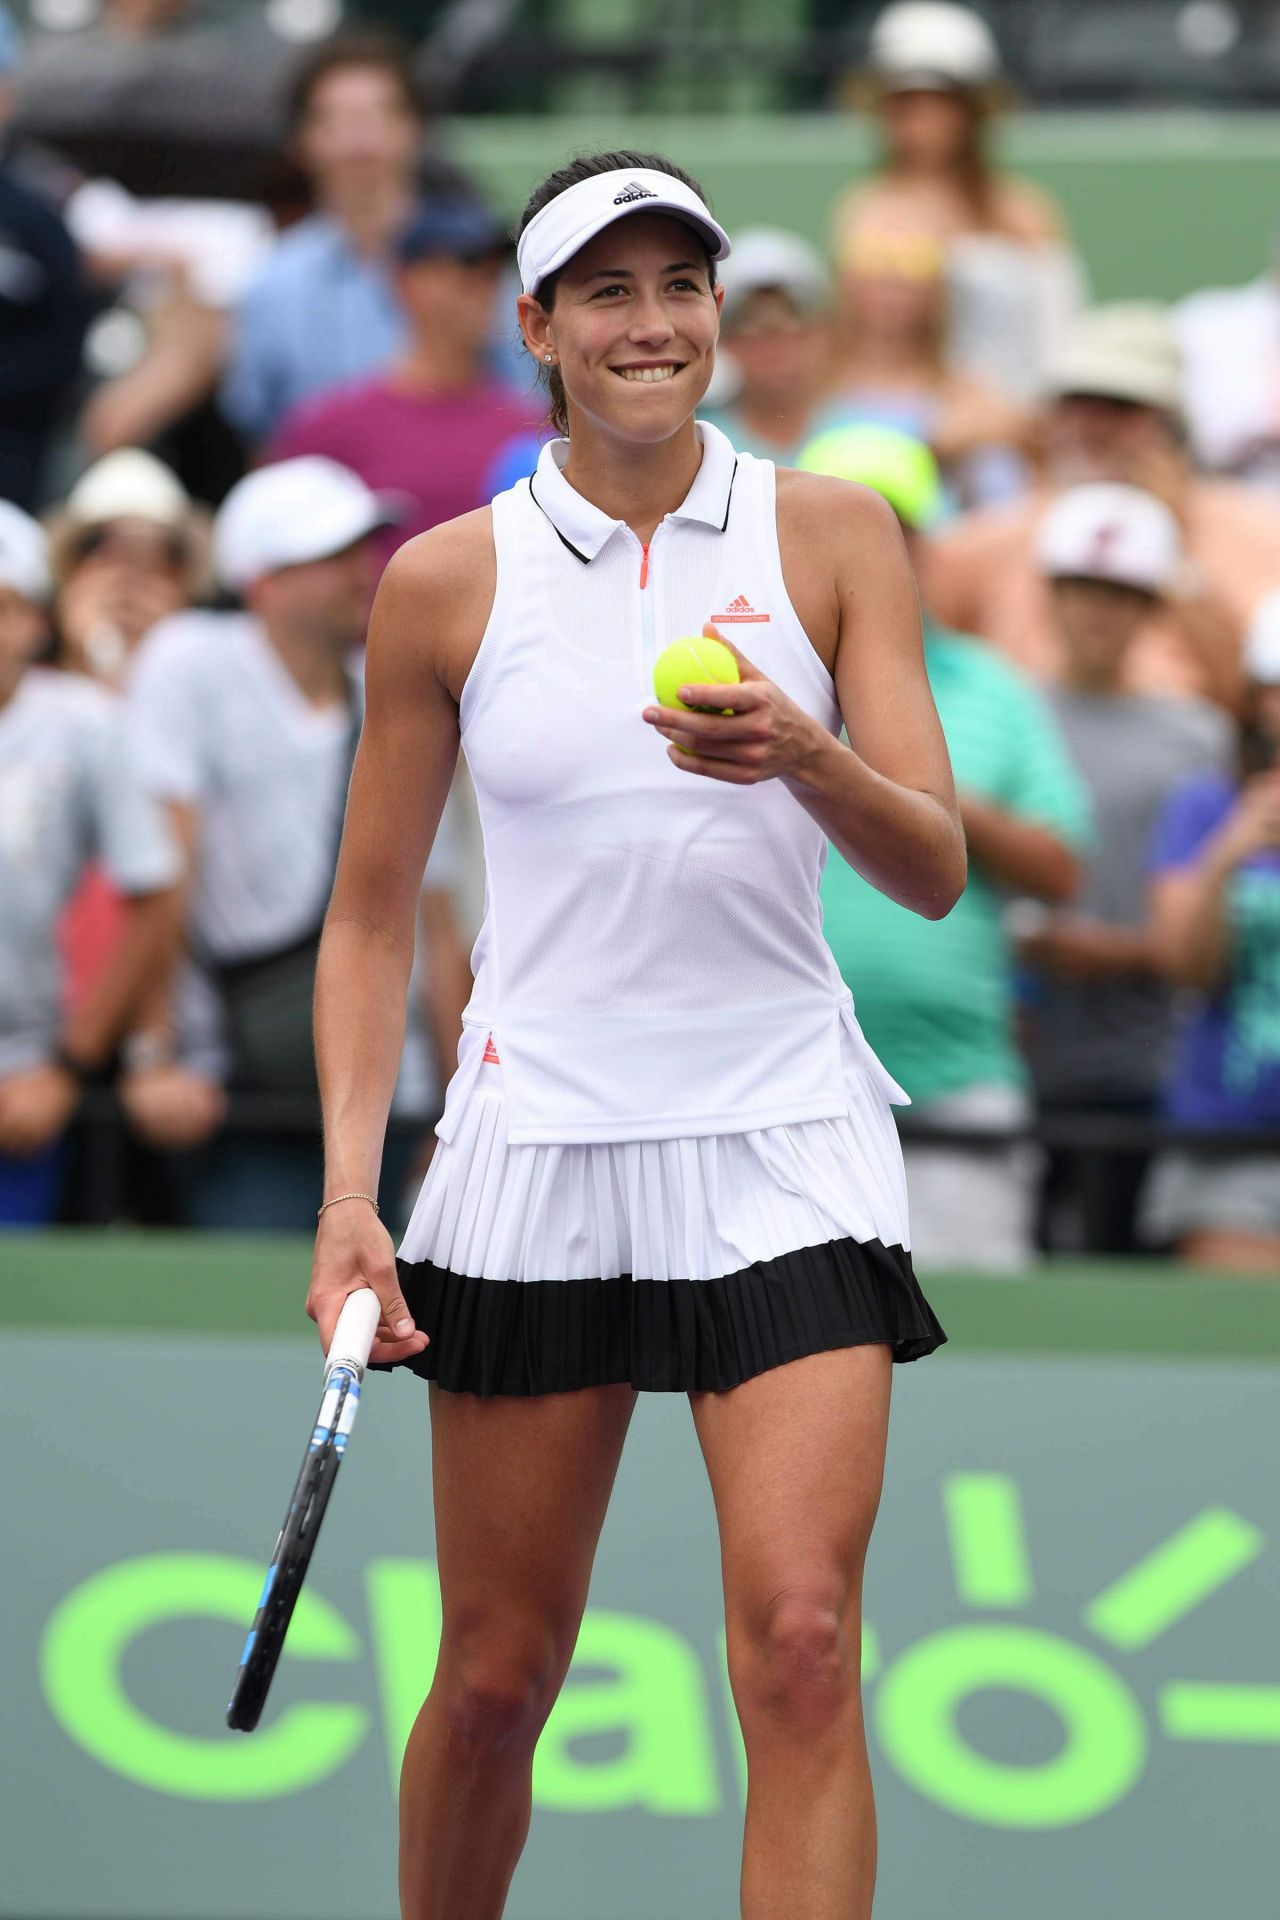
x=740, y=611
x=633, y=191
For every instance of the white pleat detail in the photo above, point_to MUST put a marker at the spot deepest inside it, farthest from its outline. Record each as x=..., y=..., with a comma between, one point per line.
x=691, y=1209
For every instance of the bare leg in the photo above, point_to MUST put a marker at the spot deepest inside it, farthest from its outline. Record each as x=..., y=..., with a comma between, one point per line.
x=521, y=1487
x=796, y=1458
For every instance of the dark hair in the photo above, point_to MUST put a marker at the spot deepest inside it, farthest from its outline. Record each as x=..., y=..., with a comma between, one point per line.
x=585, y=167
x=373, y=47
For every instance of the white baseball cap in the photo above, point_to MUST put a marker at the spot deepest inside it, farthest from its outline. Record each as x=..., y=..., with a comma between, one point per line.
x=1110, y=532
x=1261, y=658
x=128, y=485
x=769, y=257
x=577, y=215
x=297, y=510
x=932, y=44
x=24, y=553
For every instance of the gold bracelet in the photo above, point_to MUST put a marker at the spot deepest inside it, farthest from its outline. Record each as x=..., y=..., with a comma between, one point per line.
x=338, y=1197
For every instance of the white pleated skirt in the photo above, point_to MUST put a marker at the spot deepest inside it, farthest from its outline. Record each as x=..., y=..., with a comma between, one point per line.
x=681, y=1264
x=692, y=1209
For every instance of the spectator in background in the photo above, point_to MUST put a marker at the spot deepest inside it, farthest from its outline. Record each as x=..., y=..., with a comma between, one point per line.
x=933, y=80
x=170, y=271
x=892, y=367
x=1230, y=340
x=936, y=997
x=323, y=312
x=431, y=425
x=775, y=341
x=1098, y=1024
x=67, y=796
x=129, y=548
x=1215, y=866
x=44, y=309
x=1115, y=414
x=244, y=725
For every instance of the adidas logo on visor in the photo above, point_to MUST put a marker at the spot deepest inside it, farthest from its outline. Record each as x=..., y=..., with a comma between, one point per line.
x=633, y=191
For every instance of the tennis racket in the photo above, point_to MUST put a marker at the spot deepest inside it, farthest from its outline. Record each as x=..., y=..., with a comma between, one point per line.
x=343, y=1371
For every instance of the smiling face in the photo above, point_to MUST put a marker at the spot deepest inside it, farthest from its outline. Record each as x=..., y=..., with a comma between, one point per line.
x=632, y=325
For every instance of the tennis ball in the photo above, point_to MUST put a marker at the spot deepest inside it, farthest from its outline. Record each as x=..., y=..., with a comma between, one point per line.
x=694, y=662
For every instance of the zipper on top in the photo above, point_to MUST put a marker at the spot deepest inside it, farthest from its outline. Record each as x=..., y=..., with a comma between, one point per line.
x=646, y=600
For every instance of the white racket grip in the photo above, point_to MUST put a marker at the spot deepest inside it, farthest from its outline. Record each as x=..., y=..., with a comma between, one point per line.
x=353, y=1335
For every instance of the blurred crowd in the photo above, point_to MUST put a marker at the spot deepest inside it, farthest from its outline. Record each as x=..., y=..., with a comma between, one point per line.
x=216, y=423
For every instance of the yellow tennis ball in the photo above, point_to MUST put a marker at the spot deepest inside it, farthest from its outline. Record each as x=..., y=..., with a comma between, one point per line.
x=693, y=663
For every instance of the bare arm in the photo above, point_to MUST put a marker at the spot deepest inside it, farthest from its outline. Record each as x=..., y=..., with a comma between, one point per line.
x=886, y=799
x=1084, y=949
x=1188, y=913
x=1019, y=853
x=169, y=1102
x=1189, y=905
x=179, y=368
x=141, y=959
x=408, y=750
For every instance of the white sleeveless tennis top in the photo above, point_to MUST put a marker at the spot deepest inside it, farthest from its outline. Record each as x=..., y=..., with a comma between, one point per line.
x=651, y=963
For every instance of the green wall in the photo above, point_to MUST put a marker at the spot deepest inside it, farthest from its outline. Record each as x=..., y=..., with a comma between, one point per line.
x=1161, y=203
x=1068, y=1654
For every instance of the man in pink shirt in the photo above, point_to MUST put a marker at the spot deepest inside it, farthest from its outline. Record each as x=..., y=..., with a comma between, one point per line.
x=1115, y=414
x=431, y=427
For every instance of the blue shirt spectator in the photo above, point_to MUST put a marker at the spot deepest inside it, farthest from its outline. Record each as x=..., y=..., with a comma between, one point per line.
x=323, y=311
x=319, y=315
x=1226, y=1071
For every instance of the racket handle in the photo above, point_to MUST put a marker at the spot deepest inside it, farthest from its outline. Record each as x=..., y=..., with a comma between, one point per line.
x=353, y=1335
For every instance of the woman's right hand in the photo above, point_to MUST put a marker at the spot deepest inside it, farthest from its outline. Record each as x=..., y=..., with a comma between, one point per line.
x=353, y=1250
x=1254, y=823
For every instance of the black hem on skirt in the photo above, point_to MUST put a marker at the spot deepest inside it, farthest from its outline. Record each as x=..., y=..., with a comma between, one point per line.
x=664, y=1336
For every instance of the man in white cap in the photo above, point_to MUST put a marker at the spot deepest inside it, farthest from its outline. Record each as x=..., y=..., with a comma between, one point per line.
x=67, y=796
x=1114, y=413
x=1099, y=1018
x=245, y=725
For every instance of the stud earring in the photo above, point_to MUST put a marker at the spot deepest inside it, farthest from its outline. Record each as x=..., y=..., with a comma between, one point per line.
x=548, y=357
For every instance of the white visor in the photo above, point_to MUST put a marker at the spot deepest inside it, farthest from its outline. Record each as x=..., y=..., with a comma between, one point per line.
x=578, y=214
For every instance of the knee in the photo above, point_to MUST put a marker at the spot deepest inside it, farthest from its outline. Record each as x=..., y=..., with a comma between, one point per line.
x=794, y=1665
x=496, y=1690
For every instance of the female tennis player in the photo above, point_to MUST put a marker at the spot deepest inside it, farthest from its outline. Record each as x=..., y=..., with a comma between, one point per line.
x=667, y=1159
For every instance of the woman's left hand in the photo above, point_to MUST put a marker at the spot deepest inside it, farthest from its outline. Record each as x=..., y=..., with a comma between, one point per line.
x=765, y=736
